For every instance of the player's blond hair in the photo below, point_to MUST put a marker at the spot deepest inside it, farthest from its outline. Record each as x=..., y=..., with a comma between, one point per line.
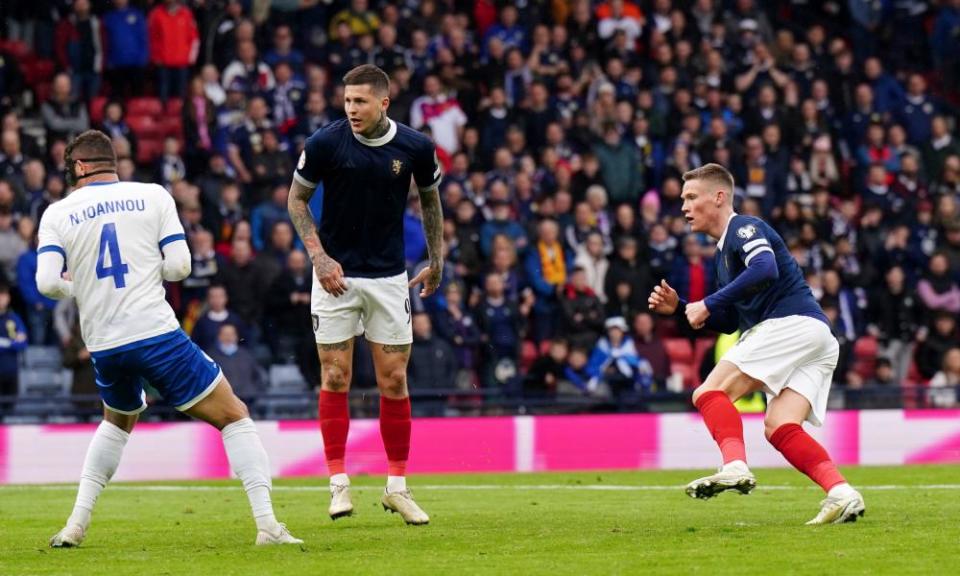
x=713, y=174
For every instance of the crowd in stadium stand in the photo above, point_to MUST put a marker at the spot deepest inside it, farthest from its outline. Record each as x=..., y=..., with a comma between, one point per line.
x=563, y=128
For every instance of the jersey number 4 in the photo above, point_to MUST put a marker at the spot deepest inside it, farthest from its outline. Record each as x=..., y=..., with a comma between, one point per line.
x=109, y=246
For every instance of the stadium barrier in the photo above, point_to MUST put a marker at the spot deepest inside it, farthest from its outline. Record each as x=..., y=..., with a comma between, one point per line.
x=193, y=451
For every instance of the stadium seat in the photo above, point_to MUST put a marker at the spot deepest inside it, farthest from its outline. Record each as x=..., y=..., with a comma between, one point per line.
x=96, y=109
x=172, y=126
x=528, y=355
x=145, y=107
x=42, y=357
x=16, y=49
x=42, y=382
x=144, y=126
x=700, y=348
x=286, y=378
x=678, y=350
x=174, y=107
x=865, y=356
x=149, y=150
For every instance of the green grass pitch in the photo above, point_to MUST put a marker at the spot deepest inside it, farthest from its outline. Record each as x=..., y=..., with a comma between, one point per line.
x=516, y=524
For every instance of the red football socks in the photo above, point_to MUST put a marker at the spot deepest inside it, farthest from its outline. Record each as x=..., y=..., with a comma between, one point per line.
x=723, y=422
x=334, y=427
x=806, y=455
x=395, y=431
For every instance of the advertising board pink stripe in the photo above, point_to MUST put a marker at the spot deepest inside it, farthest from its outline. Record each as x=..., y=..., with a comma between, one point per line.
x=192, y=450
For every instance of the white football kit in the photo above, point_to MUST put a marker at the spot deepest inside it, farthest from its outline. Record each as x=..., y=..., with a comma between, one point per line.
x=111, y=236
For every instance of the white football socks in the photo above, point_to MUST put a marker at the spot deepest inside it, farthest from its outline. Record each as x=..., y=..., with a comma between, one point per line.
x=339, y=480
x=396, y=483
x=738, y=466
x=99, y=465
x=249, y=462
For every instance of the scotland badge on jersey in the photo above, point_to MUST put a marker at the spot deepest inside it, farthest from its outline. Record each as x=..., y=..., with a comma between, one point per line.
x=747, y=232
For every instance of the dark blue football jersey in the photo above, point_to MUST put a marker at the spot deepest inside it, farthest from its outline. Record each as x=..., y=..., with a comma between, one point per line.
x=365, y=187
x=788, y=295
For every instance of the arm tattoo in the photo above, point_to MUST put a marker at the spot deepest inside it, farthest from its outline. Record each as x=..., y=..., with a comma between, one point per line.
x=432, y=224
x=302, y=218
x=396, y=348
x=336, y=346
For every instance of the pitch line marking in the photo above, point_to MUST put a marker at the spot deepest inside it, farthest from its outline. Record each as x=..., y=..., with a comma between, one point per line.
x=465, y=487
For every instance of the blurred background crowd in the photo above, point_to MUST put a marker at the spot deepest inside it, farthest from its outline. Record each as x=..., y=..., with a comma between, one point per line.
x=563, y=127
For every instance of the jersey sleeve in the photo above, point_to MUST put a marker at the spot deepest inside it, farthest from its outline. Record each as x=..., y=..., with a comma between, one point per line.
x=750, y=241
x=309, y=170
x=171, y=229
x=49, y=239
x=426, y=169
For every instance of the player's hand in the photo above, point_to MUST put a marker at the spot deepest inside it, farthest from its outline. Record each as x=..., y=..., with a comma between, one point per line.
x=430, y=278
x=697, y=314
x=330, y=275
x=663, y=299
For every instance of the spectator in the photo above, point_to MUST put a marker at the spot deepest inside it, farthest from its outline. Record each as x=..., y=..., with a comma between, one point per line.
x=64, y=117
x=582, y=313
x=546, y=372
x=614, y=362
x=248, y=73
x=501, y=223
x=358, y=18
x=268, y=213
x=245, y=287
x=77, y=358
x=546, y=270
x=455, y=324
x=432, y=360
x=938, y=148
x=945, y=383
x=620, y=167
x=199, y=127
x=288, y=305
x=174, y=45
x=238, y=364
x=441, y=113
x=500, y=321
x=127, y=49
x=591, y=258
x=12, y=246
x=80, y=40
x=283, y=50
x=204, y=268
x=206, y=330
x=271, y=166
x=892, y=311
x=170, y=168
x=275, y=258
x=938, y=291
x=933, y=343
x=39, y=308
x=13, y=339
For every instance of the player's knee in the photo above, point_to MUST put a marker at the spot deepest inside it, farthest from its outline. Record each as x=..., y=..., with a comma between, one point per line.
x=336, y=379
x=393, y=383
x=770, y=425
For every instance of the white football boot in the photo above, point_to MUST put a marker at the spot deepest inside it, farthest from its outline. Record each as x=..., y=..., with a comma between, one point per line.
x=279, y=535
x=402, y=503
x=70, y=537
x=840, y=509
x=340, y=503
x=732, y=476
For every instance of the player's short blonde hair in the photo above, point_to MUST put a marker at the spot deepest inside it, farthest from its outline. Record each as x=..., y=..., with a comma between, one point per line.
x=713, y=174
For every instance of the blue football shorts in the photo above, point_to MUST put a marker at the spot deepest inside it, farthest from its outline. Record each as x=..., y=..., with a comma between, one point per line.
x=171, y=363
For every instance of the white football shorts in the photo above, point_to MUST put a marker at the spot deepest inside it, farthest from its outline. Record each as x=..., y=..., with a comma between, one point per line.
x=796, y=352
x=378, y=307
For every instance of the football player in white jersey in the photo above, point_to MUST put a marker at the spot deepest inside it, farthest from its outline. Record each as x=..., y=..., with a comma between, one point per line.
x=119, y=241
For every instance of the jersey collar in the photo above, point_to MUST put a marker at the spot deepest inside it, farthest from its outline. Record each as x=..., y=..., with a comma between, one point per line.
x=725, y=228
x=385, y=139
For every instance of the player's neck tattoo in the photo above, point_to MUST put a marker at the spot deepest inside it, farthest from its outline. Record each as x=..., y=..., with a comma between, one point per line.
x=380, y=129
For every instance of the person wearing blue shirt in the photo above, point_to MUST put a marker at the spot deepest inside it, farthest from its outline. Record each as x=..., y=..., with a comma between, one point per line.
x=786, y=347
x=127, y=50
x=13, y=339
x=39, y=307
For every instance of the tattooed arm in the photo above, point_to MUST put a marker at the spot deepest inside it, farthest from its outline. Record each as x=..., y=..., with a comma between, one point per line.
x=433, y=230
x=328, y=270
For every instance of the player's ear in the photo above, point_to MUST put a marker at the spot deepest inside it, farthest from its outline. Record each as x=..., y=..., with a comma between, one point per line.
x=385, y=103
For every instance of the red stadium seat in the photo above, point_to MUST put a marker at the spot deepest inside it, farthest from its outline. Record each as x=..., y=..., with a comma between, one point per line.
x=865, y=356
x=172, y=126
x=145, y=107
x=42, y=92
x=688, y=371
x=678, y=350
x=700, y=348
x=528, y=355
x=96, y=109
x=144, y=126
x=174, y=107
x=16, y=49
x=149, y=150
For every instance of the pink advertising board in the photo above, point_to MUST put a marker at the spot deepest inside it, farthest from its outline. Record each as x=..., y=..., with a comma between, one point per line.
x=184, y=451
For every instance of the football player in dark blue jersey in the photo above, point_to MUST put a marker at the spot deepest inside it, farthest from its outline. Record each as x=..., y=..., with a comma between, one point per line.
x=786, y=348
x=360, y=285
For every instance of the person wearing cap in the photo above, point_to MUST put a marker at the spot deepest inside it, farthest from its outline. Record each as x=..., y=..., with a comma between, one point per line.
x=615, y=362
